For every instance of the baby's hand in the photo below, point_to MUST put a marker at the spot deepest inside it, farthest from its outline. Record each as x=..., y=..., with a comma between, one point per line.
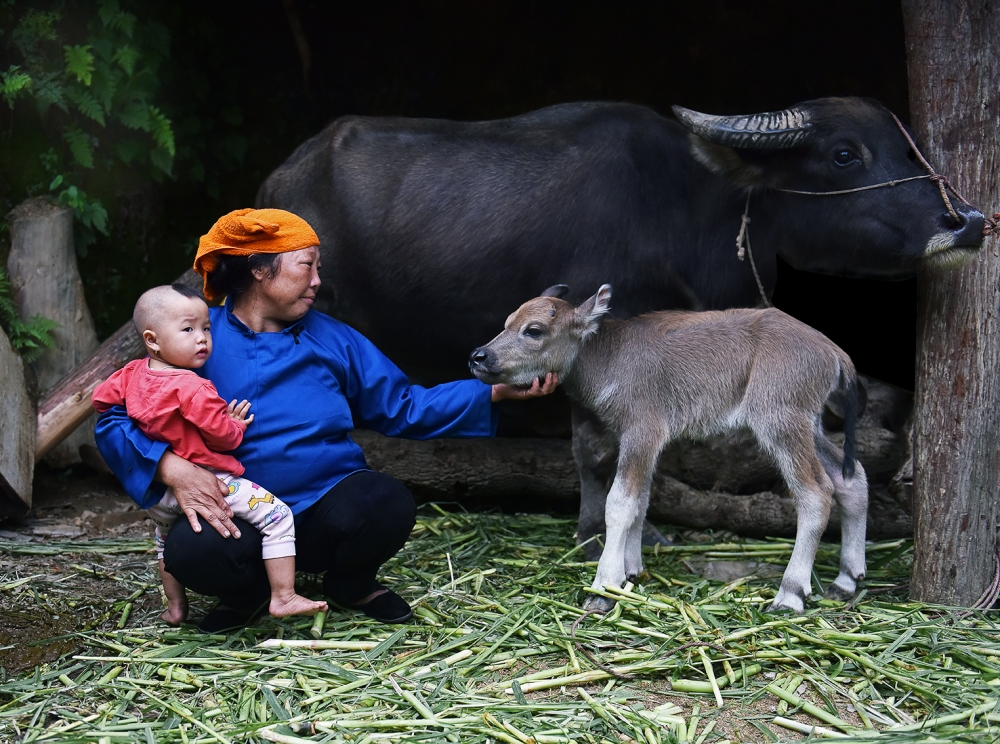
x=238, y=412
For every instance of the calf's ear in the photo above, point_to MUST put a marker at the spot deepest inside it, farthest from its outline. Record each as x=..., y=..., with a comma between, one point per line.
x=590, y=314
x=556, y=290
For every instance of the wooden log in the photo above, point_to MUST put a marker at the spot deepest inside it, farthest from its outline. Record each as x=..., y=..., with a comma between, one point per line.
x=68, y=404
x=17, y=434
x=46, y=281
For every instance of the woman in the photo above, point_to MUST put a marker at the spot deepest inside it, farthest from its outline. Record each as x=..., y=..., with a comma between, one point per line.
x=309, y=379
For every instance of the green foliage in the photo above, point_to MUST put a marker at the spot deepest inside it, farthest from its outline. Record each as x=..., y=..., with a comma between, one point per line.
x=29, y=338
x=94, y=81
x=14, y=84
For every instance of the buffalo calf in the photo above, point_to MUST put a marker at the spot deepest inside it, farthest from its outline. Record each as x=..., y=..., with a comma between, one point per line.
x=656, y=377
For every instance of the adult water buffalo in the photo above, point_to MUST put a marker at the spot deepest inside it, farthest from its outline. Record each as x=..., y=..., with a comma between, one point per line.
x=433, y=230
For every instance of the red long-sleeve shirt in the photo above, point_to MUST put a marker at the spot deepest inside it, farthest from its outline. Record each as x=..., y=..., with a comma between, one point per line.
x=178, y=407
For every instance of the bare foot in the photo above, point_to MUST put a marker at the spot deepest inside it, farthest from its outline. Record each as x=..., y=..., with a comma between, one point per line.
x=295, y=605
x=174, y=614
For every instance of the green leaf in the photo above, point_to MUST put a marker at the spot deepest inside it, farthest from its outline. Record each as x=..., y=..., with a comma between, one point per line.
x=105, y=86
x=29, y=339
x=79, y=62
x=162, y=160
x=93, y=214
x=14, y=84
x=135, y=116
x=161, y=130
x=49, y=91
x=55, y=182
x=113, y=17
x=79, y=146
x=87, y=104
x=126, y=57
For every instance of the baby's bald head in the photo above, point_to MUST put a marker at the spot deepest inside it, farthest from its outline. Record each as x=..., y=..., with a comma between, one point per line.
x=159, y=303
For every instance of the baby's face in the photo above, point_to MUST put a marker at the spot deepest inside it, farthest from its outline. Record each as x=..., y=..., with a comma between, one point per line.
x=183, y=332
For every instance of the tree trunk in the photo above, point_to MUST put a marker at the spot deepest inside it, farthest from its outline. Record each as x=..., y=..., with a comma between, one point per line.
x=45, y=281
x=17, y=434
x=953, y=49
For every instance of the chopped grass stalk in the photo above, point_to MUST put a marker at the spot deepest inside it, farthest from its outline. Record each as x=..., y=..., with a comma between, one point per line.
x=809, y=708
x=489, y=654
x=809, y=729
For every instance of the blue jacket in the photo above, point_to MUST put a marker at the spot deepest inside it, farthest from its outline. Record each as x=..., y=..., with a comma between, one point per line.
x=308, y=386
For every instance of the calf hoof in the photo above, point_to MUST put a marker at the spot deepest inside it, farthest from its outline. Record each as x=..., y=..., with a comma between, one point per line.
x=787, y=601
x=839, y=593
x=598, y=604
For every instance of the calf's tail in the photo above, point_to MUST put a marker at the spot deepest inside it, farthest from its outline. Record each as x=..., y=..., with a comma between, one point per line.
x=849, y=392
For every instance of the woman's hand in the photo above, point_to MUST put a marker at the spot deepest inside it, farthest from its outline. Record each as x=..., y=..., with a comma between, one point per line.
x=537, y=389
x=198, y=492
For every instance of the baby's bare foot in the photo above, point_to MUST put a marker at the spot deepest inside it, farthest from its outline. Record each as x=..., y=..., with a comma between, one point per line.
x=174, y=614
x=295, y=605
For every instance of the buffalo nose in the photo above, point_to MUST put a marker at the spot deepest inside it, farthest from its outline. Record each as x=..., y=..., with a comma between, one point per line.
x=969, y=230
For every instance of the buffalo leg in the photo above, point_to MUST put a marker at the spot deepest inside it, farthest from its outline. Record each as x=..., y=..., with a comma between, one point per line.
x=594, y=453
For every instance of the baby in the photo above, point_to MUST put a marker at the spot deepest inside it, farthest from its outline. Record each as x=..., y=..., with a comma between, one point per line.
x=172, y=404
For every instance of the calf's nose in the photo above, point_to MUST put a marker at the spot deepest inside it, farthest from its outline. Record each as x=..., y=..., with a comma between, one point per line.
x=478, y=358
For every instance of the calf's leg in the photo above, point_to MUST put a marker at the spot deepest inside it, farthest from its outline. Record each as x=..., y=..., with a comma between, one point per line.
x=624, y=514
x=595, y=451
x=792, y=446
x=852, y=502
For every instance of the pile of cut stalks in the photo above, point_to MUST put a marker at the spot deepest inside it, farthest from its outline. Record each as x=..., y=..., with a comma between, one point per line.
x=499, y=651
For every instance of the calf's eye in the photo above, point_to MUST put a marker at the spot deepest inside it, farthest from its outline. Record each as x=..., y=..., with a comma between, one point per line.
x=533, y=332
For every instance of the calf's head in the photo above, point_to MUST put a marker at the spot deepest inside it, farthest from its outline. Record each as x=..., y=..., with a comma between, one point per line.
x=543, y=335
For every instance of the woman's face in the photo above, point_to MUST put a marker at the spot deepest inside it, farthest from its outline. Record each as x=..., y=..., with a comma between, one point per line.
x=288, y=296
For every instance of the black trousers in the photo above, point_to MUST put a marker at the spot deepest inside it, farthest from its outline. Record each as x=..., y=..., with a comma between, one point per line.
x=349, y=533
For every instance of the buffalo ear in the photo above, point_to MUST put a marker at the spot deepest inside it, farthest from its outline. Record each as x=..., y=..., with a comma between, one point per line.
x=556, y=290
x=590, y=314
x=727, y=162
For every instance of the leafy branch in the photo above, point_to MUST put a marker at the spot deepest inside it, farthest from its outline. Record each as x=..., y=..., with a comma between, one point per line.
x=94, y=95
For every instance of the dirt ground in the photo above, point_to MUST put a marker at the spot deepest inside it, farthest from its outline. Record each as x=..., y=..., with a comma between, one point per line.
x=73, y=504
x=76, y=503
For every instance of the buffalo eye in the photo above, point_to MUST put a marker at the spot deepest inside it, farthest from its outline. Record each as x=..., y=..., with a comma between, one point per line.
x=845, y=157
x=533, y=332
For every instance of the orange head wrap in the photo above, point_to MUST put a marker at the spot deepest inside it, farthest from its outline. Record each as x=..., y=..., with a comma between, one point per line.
x=246, y=232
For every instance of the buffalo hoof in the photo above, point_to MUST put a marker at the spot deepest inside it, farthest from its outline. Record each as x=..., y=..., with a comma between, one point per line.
x=598, y=604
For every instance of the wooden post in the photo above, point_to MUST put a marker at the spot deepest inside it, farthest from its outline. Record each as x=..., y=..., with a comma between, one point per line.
x=17, y=434
x=953, y=51
x=45, y=281
x=67, y=405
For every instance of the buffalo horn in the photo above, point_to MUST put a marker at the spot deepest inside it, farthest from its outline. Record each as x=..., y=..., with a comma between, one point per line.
x=773, y=130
